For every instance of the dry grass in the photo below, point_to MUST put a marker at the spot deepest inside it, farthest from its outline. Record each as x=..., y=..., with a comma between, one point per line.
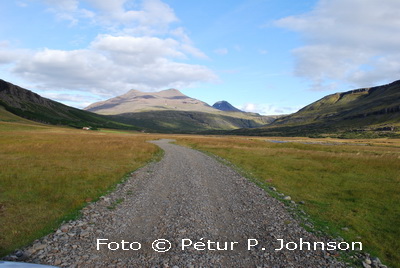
x=344, y=185
x=48, y=173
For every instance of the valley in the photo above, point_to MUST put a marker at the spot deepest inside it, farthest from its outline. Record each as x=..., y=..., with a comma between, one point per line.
x=333, y=187
x=171, y=134
x=355, y=174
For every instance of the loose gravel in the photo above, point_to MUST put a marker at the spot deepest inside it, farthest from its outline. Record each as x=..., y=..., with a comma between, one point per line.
x=186, y=197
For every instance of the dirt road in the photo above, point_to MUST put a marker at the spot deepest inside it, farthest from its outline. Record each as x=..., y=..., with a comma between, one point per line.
x=193, y=201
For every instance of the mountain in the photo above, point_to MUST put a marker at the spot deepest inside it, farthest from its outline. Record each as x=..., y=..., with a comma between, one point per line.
x=173, y=112
x=225, y=106
x=168, y=111
x=365, y=109
x=29, y=105
x=137, y=101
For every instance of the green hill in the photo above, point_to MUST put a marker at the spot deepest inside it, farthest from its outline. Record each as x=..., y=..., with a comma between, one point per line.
x=23, y=103
x=375, y=109
x=170, y=121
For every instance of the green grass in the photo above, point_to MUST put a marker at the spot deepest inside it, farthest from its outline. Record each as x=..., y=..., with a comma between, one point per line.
x=349, y=185
x=47, y=174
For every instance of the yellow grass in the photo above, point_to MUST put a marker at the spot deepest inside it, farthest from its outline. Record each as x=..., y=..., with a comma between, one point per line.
x=47, y=173
x=354, y=184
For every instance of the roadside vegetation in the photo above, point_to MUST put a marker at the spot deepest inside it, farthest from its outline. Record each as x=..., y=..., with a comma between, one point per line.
x=48, y=173
x=350, y=188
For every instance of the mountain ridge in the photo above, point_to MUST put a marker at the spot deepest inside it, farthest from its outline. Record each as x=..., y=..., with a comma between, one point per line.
x=357, y=103
x=225, y=106
x=364, y=109
x=138, y=101
x=175, y=112
x=29, y=105
x=358, y=110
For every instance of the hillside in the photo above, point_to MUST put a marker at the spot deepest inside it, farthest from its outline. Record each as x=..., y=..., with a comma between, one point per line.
x=137, y=101
x=17, y=101
x=173, y=112
x=168, y=111
x=365, y=109
x=169, y=121
x=6, y=116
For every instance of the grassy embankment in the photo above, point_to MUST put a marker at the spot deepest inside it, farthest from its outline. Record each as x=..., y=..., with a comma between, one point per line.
x=349, y=185
x=47, y=174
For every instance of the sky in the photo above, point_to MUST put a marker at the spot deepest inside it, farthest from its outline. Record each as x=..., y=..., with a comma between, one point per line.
x=265, y=56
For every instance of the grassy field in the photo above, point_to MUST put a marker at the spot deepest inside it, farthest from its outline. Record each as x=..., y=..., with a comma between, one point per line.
x=48, y=173
x=355, y=184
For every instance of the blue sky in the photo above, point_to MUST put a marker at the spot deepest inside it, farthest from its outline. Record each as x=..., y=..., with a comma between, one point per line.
x=266, y=56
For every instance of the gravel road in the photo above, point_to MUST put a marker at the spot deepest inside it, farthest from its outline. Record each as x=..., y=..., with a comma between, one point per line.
x=191, y=200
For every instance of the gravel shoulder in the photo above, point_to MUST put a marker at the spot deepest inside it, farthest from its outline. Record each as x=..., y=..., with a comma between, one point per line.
x=186, y=197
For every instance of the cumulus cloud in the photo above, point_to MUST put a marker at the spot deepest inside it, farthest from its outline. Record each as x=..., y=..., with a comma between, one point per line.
x=113, y=65
x=138, y=49
x=9, y=55
x=351, y=41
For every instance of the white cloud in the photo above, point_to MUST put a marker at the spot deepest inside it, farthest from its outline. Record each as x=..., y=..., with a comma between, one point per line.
x=138, y=49
x=112, y=65
x=66, y=5
x=8, y=55
x=267, y=109
x=147, y=17
x=187, y=44
x=351, y=41
x=68, y=10
x=151, y=16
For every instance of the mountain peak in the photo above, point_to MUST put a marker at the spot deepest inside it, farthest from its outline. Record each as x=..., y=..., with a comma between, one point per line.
x=132, y=93
x=225, y=106
x=170, y=93
x=172, y=90
x=138, y=101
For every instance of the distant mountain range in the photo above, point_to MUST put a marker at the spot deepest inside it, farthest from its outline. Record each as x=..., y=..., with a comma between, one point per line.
x=167, y=111
x=170, y=111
